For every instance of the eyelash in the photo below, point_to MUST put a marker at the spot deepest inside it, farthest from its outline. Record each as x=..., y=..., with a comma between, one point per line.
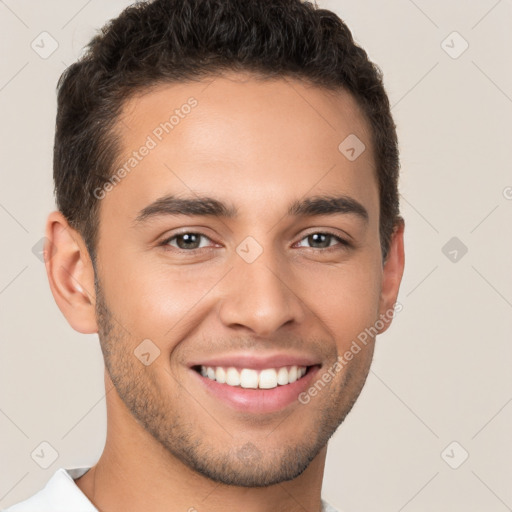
x=342, y=242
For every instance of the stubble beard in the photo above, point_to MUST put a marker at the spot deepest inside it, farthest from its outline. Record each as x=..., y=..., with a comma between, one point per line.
x=247, y=464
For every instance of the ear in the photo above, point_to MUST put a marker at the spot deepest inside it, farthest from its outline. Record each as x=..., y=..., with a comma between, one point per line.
x=392, y=274
x=70, y=274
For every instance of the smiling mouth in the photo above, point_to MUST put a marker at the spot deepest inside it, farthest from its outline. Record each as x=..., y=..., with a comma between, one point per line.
x=249, y=378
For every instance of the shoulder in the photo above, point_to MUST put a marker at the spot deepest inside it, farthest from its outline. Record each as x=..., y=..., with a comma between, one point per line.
x=60, y=494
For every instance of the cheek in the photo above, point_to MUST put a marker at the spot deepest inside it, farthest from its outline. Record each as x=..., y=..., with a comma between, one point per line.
x=157, y=300
x=154, y=299
x=346, y=299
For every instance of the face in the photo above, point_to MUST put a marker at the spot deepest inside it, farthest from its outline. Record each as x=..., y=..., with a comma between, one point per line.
x=261, y=276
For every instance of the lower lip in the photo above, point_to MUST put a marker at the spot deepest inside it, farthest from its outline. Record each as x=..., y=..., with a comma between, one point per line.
x=259, y=401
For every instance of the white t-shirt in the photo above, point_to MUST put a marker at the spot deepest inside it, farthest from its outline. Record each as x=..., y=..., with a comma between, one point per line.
x=61, y=494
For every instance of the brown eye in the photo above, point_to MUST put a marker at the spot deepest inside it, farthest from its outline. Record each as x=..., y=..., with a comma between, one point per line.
x=321, y=240
x=186, y=241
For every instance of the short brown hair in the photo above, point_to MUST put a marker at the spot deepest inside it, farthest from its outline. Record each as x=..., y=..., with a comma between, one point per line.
x=167, y=41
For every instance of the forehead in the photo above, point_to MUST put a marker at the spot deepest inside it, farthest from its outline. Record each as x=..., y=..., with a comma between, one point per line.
x=258, y=142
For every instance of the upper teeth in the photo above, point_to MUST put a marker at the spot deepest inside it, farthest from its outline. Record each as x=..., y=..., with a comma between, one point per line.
x=249, y=378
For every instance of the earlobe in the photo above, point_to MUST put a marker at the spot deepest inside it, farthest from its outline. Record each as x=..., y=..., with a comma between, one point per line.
x=392, y=274
x=70, y=274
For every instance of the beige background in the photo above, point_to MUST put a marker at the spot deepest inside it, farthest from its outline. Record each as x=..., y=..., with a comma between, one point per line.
x=442, y=373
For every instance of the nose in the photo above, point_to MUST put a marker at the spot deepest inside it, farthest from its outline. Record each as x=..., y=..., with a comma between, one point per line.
x=260, y=296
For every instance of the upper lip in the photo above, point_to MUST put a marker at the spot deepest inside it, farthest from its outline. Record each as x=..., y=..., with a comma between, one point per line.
x=258, y=362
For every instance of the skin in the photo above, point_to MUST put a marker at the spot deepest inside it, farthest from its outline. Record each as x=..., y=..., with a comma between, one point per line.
x=259, y=145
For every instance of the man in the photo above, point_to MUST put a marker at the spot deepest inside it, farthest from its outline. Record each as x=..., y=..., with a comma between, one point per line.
x=226, y=181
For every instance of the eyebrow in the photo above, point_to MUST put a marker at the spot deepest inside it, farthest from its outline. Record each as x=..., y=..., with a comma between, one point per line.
x=211, y=207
